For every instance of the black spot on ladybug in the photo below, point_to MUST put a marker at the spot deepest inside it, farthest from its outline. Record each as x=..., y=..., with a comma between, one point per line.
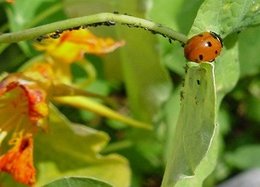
x=200, y=35
x=200, y=57
x=216, y=52
x=209, y=44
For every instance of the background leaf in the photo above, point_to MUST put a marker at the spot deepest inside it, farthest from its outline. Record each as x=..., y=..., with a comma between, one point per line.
x=72, y=152
x=244, y=157
x=77, y=182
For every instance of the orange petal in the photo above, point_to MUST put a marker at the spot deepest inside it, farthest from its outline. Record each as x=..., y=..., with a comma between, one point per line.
x=9, y=1
x=18, y=161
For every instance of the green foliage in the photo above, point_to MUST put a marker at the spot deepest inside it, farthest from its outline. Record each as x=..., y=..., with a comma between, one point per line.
x=208, y=126
x=195, y=126
x=71, y=149
x=77, y=182
x=244, y=157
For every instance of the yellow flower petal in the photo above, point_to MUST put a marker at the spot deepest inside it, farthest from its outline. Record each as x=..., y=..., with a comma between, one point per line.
x=25, y=100
x=72, y=45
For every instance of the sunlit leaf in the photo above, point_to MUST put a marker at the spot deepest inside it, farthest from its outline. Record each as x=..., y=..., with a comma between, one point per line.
x=73, y=150
x=195, y=127
x=227, y=16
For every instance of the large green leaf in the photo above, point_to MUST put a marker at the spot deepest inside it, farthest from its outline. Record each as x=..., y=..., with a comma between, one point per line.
x=147, y=82
x=195, y=126
x=227, y=16
x=73, y=150
x=77, y=182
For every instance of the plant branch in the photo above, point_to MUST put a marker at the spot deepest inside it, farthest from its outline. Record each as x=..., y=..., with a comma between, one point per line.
x=101, y=19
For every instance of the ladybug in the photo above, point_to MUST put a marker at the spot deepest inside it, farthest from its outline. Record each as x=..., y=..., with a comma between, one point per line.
x=204, y=47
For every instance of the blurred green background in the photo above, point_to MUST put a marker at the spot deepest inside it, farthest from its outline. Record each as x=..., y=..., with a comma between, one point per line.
x=145, y=77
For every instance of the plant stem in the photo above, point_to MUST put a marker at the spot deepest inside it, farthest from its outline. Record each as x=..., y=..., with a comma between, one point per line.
x=101, y=19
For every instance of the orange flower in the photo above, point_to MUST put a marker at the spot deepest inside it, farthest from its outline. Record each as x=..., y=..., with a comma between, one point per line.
x=25, y=100
x=10, y=1
x=23, y=109
x=18, y=161
x=72, y=45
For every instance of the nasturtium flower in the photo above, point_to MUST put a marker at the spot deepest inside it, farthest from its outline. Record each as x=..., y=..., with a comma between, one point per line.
x=18, y=161
x=41, y=71
x=72, y=45
x=23, y=110
x=25, y=100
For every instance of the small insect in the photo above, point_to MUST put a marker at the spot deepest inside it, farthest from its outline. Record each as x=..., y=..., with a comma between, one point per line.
x=204, y=47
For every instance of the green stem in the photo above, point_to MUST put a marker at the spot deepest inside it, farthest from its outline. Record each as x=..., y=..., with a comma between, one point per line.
x=117, y=146
x=106, y=19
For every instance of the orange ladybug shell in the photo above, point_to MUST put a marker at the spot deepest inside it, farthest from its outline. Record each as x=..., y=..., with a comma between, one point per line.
x=204, y=47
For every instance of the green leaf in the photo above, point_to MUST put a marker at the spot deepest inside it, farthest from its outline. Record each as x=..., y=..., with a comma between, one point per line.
x=73, y=150
x=77, y=182
x=171, y=111
x=244, y=157
x=227, y=16
x=249, y=46
x=195, y=128
x=147, y=81
x=227, y=68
